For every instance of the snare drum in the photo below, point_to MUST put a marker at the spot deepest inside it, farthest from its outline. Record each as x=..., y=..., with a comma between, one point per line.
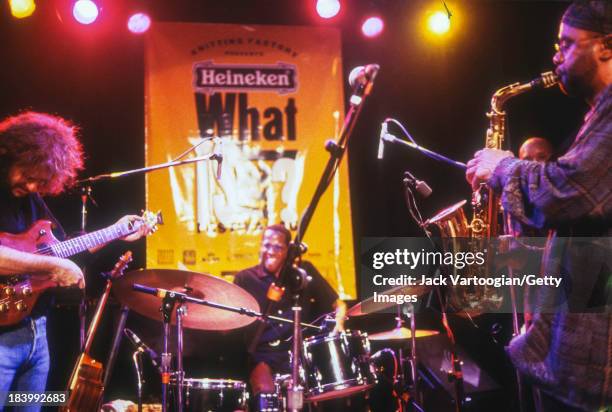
x=337, y=365
x=219, y=395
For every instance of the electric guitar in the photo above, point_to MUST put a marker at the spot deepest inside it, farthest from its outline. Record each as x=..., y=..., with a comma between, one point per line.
x=19, y=293
x=85, y=383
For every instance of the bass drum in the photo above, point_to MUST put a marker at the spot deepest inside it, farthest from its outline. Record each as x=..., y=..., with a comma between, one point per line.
x=219, y=395
x=337, y=365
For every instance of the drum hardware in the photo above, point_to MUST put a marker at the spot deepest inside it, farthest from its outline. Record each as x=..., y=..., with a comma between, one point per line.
x=137, y=359
x=141, y=348
x=401, y=333
x=368, y=305
x=295, y=394
x=219, y=395
x=408, y=394
x=180, y=308
x=337, y=365
x=112, y=355
x=269, y=402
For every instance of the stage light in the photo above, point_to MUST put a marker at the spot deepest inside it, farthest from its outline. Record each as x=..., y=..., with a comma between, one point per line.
x=22, y=8
x=328, y=8
x=372, y=26
x=139, y=23
x=85, y=11
x=439, y=23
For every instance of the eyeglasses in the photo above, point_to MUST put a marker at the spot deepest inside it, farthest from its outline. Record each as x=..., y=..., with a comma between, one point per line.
x=564, y=44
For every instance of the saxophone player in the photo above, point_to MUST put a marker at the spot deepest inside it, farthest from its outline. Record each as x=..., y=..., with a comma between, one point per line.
x=567, y=354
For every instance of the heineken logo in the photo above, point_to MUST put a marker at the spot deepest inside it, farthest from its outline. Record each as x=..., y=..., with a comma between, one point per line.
x=209, y=77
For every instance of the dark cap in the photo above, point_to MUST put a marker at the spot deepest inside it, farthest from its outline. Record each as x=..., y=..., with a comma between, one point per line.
x=591, y=15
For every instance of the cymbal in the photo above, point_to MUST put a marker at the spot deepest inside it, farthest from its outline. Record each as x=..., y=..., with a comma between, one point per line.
x=199, y=285
x=368, y=306
x=401, y=333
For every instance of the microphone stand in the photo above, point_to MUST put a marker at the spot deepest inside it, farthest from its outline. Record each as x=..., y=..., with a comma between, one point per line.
x=136, y=357
x=455, y=375
x=389, y=138
x=114, y=175
x=362, y=88
x=86, y=190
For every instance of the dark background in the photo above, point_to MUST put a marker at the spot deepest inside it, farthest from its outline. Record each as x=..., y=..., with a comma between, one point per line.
x=440, y=91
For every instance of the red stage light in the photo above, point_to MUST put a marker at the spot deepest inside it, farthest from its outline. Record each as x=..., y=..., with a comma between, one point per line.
x=139, y=23
x=328, y=8
x=85, y=11
x=372, y=26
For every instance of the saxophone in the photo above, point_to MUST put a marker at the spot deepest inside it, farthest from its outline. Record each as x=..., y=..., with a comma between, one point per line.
x=486, y=209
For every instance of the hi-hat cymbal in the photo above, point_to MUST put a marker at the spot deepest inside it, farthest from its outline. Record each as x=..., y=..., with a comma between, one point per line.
x=401, y=333
x=368, y=306
x=197, y=285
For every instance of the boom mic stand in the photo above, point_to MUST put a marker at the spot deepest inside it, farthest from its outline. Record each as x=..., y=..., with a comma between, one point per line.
x=362, y=80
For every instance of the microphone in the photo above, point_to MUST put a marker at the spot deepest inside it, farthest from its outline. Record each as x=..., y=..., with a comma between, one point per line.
x=141, y=346
x=419, y=185
x=381, y=141
x=362, y=74
x=218, y=156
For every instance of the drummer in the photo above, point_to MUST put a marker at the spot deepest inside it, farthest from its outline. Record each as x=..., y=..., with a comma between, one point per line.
x=271, y=352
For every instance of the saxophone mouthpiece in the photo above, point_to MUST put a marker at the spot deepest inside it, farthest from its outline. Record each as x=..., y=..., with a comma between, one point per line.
x=546, y=80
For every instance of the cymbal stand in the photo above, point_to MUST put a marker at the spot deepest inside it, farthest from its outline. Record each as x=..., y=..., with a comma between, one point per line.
x=170, y=299
x=168, y=303
x=112, y=355
x=408, y=395
x=295, y=395
x=180, y=372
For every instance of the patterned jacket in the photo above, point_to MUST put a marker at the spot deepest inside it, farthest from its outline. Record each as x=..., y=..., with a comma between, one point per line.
x=568, y=351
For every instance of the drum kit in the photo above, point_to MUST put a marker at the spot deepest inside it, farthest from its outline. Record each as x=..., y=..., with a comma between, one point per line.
x=332, y=365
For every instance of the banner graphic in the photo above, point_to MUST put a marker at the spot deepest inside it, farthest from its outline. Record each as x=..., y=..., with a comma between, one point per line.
x=267, y=98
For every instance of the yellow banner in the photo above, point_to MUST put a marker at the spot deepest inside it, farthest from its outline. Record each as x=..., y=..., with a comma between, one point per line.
x=267, y=98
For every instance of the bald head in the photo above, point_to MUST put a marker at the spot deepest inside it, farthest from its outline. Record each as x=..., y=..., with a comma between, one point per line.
x=537, y=149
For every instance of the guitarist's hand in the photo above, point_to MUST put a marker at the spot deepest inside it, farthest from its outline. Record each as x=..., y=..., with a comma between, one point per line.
x=142, y=231
x=67, y=273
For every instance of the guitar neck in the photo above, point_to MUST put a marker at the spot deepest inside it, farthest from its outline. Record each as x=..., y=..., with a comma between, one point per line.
x=91, y=240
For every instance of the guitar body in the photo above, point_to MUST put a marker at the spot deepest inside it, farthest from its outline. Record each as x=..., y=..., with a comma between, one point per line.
x=85, y=386
x=19, y=293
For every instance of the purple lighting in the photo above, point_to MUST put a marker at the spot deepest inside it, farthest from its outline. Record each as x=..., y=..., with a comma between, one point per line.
x=85, y=11
x=328, y=8
x=372, y=27
x=139, y=23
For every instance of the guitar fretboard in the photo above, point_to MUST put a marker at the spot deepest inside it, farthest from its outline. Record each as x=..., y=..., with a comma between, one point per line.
x=79, y=244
